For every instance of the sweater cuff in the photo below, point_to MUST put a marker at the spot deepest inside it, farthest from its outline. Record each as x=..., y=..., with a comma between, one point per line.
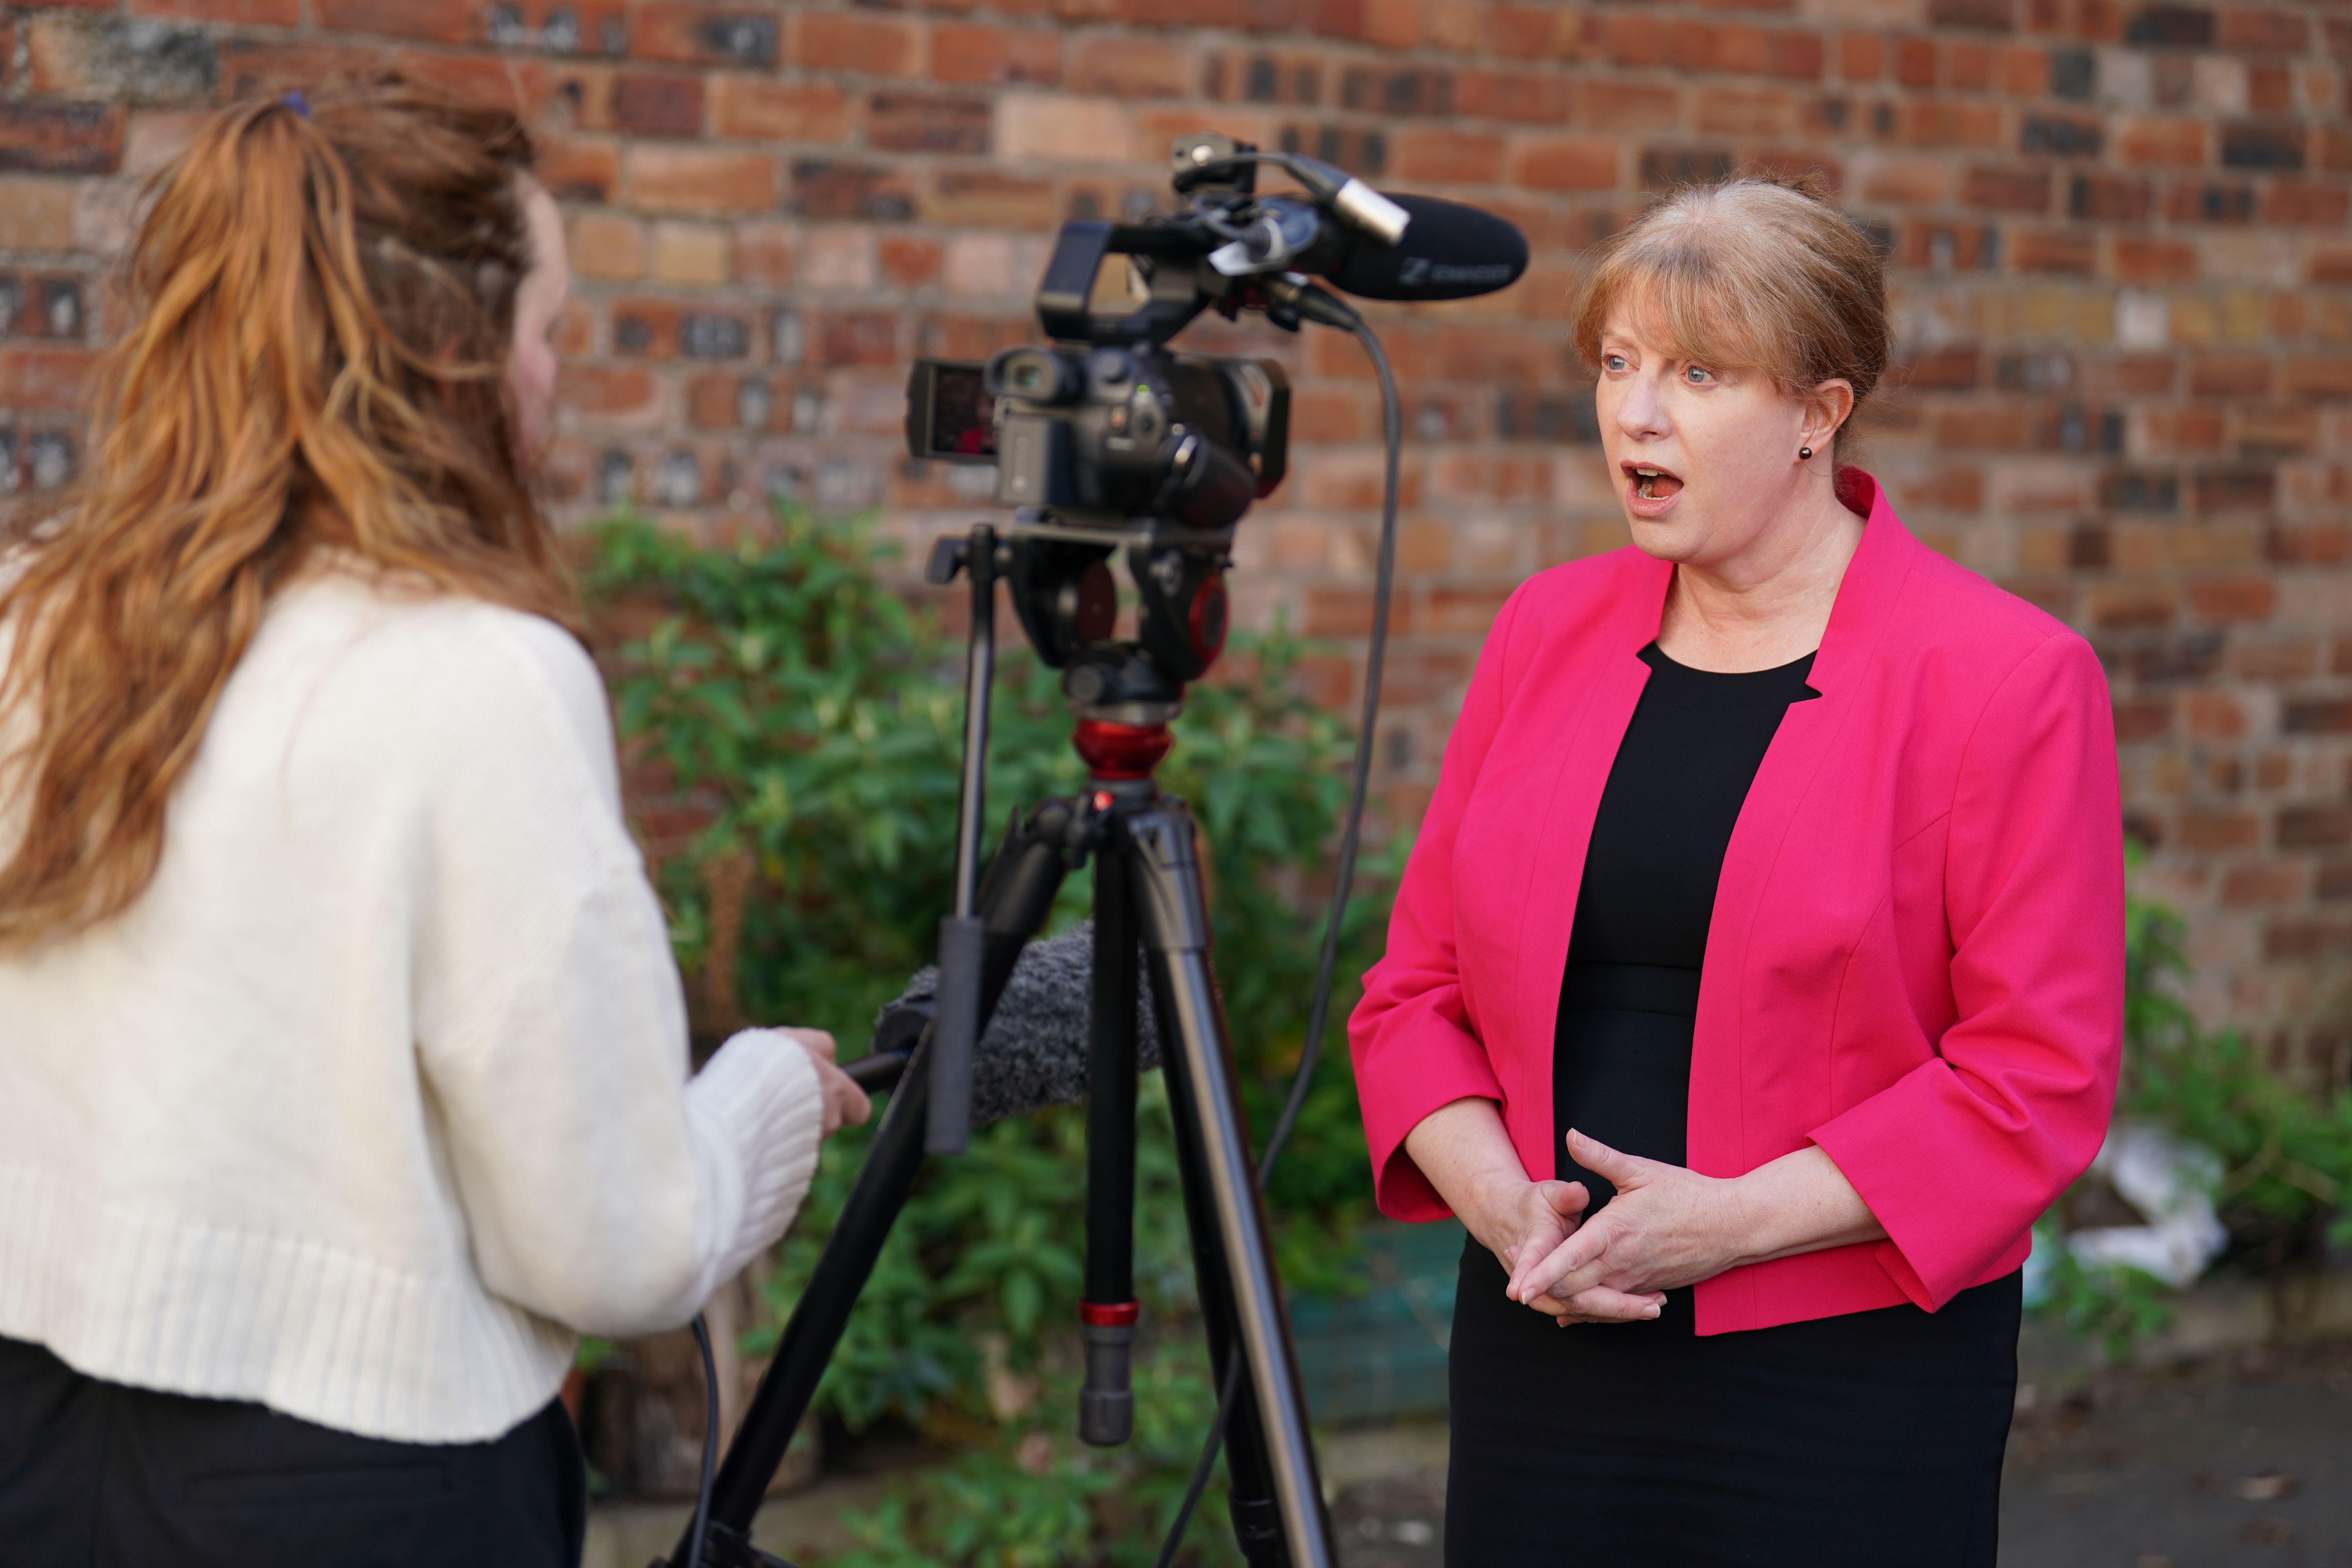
x=758, y=1117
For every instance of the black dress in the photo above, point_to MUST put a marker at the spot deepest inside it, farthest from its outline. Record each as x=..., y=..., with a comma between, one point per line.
x=1873, y=1438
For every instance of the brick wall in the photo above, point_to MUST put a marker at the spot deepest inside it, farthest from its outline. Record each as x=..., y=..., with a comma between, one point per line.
x=2122, y=275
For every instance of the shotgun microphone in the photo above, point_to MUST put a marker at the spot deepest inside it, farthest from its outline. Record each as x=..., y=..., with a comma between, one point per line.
x=1448, y=252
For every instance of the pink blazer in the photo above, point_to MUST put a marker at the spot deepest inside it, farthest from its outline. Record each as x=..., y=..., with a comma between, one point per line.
x=1916, y=958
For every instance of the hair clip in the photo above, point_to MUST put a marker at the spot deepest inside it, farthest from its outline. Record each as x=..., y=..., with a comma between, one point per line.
x=298, y=103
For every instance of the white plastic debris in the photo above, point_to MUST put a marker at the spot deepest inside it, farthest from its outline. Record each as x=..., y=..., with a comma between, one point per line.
x=2170, y=1179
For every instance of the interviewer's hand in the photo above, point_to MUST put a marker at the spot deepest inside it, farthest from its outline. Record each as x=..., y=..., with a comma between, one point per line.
x=846, y=1104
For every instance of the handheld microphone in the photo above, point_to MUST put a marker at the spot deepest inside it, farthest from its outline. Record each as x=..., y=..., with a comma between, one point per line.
x=1447, y=251
x=1034, y=1051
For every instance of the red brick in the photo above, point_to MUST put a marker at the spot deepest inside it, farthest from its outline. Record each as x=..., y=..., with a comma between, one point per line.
x=963, y=52
x=845, y=189
x=606, y=394
x=1915, y=63
x=2220, y=830
x=840, y=40
x=2263, y=32
x=440, y=21
x=856, y=337
x=658, y=105
x=2270, y=89
x=927, y=123
x=50, y=380
x=2244, y=887
x=2121, y=605
x=1620, y=106
x=706, y=34
x=2024, y=73
x=1967, y=65
x=2315, y=827
x=1563, y=164
x=1862, y=56
x=763, y=255
x=2305, y=201
x=910, y=262
x=1527, y=97
x=1726, y=110
x=2230, y=375
x=2074, y=254
x=1951, y=122
x=2143, y=260
x=1127, y=67
x=1533, y=32
x=2149, y=142
x=60, y=138
x=748, y=108
x=2247, y=599
x=255, y=13
x=699, y=180
x=1448, y=157
x=2016, y=190
x=579, y=170
x=252, y=66
x=2324, y=376
x=986, y=196
x=1799, y=56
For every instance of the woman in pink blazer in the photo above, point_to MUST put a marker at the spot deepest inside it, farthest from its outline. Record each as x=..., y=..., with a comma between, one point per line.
x=1757, y=978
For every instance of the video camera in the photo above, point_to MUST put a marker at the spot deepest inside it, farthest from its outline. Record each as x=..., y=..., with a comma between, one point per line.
x=1108, y=436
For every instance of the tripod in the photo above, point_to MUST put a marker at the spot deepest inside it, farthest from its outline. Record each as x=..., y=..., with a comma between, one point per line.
x=1152, y=926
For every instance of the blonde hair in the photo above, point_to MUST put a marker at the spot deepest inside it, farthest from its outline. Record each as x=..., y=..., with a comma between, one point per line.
x=323, y=298
x=1758, y=272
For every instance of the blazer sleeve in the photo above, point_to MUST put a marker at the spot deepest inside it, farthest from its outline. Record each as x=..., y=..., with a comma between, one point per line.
x=1961, y=1156
x=1411, y=1036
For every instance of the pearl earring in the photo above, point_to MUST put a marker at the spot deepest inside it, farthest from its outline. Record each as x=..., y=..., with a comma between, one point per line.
x=1804, y=451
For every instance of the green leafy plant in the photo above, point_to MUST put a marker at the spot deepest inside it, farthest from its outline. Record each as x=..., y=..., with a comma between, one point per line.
x=2286, y=1154
x=2114, y=1306
x=806, y=723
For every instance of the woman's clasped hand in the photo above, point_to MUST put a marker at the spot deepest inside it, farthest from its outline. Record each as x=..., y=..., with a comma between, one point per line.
x=1536, y=1220
x=1667, y=1226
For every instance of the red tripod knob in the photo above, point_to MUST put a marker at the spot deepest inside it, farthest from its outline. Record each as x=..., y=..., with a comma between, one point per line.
x=1122, y=751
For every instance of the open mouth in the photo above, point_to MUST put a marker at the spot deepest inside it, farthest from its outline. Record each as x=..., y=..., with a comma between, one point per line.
x=1651, y=482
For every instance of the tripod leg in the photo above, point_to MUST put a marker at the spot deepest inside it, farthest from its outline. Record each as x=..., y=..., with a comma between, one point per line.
x=1021, y=882
x=1158, y=842
x=1108, y=1312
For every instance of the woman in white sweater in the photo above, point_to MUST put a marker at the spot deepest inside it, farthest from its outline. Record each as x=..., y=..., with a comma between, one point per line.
x=343, y=1074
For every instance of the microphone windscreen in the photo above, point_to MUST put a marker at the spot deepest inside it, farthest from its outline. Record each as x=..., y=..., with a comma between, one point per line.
x=1449, y=252
x=1034, y=1053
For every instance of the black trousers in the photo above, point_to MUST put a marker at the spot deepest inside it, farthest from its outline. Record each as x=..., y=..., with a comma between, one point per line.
x=96, y=1475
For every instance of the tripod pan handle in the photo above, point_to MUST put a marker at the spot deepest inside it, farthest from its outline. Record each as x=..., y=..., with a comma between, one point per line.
x=955, y=1032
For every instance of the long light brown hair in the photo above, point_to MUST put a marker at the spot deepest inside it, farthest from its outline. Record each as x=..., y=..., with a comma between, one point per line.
x=322, y=298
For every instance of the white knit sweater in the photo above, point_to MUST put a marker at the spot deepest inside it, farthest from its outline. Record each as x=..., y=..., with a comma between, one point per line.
x=378, y=1095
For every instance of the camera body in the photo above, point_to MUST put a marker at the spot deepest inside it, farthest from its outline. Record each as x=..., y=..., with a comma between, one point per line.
x=1108, y=433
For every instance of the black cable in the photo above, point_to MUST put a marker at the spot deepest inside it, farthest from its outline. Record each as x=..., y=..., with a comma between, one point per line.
x=710, y=1442
x=1311, y=1052
x=1384, y=575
